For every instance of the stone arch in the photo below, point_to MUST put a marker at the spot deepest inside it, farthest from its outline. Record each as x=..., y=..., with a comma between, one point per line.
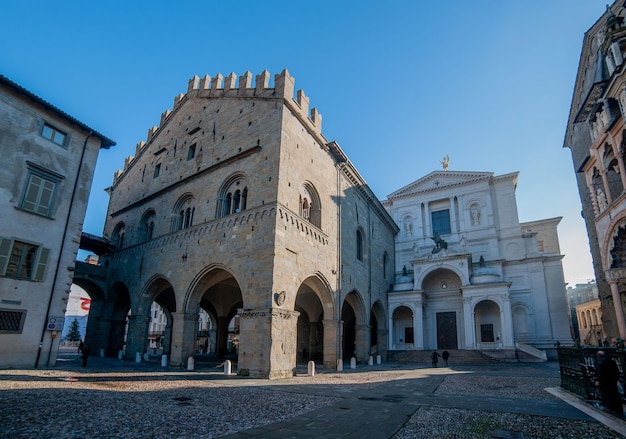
x=403, y=336
x=378, y=329
x=216, y=290
x=355, y=340
x=157, y=289
x=108, y=313
x=314, y=301
x=615, y=244
x=444, y=272
x=488, y=324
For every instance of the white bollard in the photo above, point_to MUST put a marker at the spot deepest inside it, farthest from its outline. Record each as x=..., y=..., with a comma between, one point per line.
x=370, y=362
x=311, y=368
x=352, y=363
x=163, y=360
x=101, y=353
x=378, y=359
x=191, y=363
x=138, y=357
x=228, y=367
x=120, y=354
x=340, y=365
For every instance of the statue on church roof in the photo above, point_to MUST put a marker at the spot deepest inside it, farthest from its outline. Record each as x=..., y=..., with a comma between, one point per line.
x=445, y=162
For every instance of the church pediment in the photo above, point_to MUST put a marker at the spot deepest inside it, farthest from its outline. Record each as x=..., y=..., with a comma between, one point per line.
x=439, y=180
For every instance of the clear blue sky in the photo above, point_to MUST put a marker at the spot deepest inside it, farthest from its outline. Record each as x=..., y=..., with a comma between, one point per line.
x=399, y=84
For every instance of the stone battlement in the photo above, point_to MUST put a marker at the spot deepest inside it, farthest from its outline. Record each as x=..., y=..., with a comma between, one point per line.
x=228, y=87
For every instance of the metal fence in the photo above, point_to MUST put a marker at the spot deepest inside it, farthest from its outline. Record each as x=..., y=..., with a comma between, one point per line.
x=577, y=366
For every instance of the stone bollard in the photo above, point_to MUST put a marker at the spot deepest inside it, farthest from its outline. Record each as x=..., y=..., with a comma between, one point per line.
x=228, y=367
x=120, y=354
x=101, y=353
x=146, y=357
x=352, y=363
x=311, y=368
x=370, y=362
x=191, y=363
x=340, y=365
x=163, y=360
x=378, y=359
x=138, y=357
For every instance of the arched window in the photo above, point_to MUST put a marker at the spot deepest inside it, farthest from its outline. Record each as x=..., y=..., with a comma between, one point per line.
x=233, y=196
x=118, y=235
x=310, y=205
x=147, y=225
x=359, y=245
x=182, y=217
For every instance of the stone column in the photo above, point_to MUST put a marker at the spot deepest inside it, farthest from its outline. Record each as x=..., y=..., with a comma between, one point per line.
x=184, y=327
x=469, y=323
x=333, y=330
x=268, y=342
x=506, y=320
x=137, y=336
x=221, y=339
x=606, y=186
x=454, y=226
x=418, y=322
x=213, y=341
x=613, y=277
x=362, y=342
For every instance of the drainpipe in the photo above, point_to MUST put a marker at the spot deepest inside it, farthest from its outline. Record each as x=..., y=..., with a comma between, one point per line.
x=56, y=272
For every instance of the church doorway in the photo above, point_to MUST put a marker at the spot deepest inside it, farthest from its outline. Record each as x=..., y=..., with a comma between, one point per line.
x=446, y=330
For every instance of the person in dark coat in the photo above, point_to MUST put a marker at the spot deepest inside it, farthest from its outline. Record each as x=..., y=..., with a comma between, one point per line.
x=85, y=354
x=607, y=376
x=445, y=357
x=435, y=358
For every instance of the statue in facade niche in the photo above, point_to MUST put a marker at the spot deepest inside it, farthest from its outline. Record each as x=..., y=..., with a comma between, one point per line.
x=445, y=162
x=475, y=216
x=602, y=203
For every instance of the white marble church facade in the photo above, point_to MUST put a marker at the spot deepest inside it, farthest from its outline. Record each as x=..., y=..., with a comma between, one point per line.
x=473, y=276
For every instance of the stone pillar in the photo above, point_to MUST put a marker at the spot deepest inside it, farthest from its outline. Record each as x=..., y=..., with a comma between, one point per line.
x=470, y=325
x=418, y=323
x=212, y=341
x=613, y=278
x=137, y=336
x=362, y=342
x=383, y=337
x=267, y=342
x=506, y=320
x=184, y=327
x=332, y=342
x=221, y=338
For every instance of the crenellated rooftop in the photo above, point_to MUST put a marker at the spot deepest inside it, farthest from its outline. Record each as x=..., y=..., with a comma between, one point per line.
x=242, y=87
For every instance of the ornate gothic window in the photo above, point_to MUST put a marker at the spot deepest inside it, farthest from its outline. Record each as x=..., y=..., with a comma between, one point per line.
x=233, y=196
x=310, y=205
x=183, y=213
x=147, y=225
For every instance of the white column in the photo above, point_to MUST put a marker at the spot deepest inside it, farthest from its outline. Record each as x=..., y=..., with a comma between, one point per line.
x=470, y=325
x=418, y=323
x=619, y=309
x=506, y=320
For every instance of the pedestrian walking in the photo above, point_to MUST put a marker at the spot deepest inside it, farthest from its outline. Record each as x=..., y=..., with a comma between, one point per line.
x=85, y=354
x=445, y=355
x=435, y=357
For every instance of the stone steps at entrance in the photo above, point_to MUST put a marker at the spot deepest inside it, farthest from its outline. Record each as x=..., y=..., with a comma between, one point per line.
x=457, y=356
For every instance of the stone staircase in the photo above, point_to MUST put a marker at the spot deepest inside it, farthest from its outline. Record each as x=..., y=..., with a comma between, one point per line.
x=457, y=356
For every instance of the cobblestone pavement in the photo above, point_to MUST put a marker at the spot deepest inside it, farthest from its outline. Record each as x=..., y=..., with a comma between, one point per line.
x=114, y=399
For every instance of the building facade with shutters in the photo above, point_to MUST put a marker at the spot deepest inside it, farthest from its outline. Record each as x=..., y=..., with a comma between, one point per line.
x=48, y=164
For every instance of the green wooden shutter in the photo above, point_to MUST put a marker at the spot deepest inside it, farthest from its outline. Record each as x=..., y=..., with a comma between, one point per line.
x=40, y=271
